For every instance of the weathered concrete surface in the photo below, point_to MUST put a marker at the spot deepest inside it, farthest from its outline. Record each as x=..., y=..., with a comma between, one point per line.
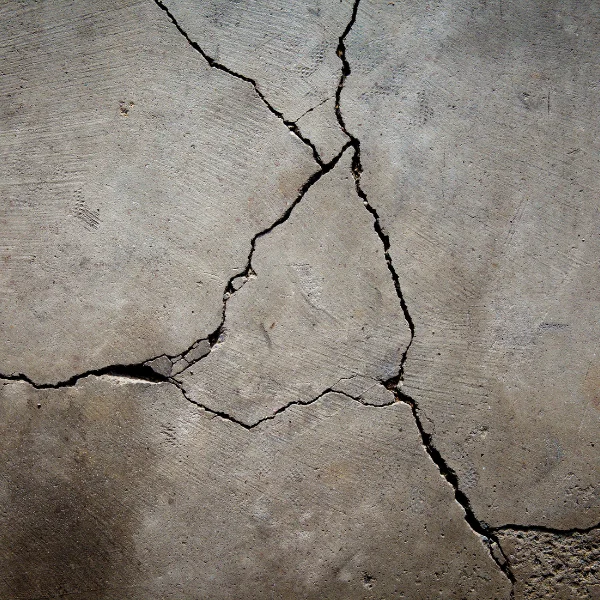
x=479, y=143
x=228, y=301
x=321, y=307
x=554, y=566
x=287, y=48
x=125, y=161
x=120, y=490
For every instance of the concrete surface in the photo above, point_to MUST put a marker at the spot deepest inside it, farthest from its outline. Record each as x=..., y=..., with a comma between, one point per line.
x=480, y=148
x=299, y=299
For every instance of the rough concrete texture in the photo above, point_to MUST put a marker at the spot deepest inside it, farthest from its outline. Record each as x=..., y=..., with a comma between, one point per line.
x=298, y=300
x=554, y=565
x=125, y=490
x=479, y=144
x=125, y=161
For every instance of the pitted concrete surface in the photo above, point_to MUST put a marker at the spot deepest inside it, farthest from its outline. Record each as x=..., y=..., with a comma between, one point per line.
x=299, y=299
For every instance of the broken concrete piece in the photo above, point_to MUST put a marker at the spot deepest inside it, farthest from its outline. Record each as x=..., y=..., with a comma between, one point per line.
x=162, y=365
x=198, y=351
x=125, y=161
x=479, y=145
x=129, y=490
x=321, y=307
x=562, y=566
x=368, y=390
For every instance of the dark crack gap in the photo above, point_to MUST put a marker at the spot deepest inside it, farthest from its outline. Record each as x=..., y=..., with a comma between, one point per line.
x=291, y=125
x=544, y=529
x=487, y=533
x=357, y=170
x=482, y=529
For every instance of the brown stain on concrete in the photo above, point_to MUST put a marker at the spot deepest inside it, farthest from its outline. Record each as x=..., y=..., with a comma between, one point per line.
x=68, y=519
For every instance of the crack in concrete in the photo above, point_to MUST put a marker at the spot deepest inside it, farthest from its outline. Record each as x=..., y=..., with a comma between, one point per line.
x=486, y=533
x=394, y=384
x=143, y=371
x=291, y=125
x=543, y=529
x=227, y=417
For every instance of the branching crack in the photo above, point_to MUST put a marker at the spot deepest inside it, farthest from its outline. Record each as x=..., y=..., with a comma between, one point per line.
x=486, y=533
x=291, y=125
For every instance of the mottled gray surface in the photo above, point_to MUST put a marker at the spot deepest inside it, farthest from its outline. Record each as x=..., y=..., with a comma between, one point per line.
x=479, y=130
x=124, y=490
x=554, y=566
x=298, y=300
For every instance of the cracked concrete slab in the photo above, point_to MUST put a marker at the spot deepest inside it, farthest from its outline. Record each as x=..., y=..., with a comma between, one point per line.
x=126, y=490
x=125, y=162
x=287, y=48
x=479, y=149
x=320, y=307
x=298, y=299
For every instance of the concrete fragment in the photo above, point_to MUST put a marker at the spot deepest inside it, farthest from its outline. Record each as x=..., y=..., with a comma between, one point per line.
x=368, y=390
x=129, y=492
x=125, y=161
x=321, y=307
x=479, y=143
x=198, y=351
x=161, y=365
x=561, y=566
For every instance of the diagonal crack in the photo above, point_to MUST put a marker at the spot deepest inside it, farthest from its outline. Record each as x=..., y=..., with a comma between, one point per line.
x=486, y=534
x=143, y=371
x=291, y=125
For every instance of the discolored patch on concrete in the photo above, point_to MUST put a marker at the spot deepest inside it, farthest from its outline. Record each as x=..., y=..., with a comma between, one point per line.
x=126, y=490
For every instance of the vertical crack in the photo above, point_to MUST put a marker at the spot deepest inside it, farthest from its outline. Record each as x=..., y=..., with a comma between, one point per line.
x=394, y=384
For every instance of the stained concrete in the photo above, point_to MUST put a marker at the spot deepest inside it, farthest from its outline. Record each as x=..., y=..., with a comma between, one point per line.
x=298, y=299
x=128, y=490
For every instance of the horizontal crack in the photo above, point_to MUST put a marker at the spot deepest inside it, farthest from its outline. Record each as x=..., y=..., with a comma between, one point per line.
x=291, y=125
x=544, y=529
x=227, y=417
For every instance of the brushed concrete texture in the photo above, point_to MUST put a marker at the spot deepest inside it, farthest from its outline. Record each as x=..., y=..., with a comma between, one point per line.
x=320, y=307
x=114, y=489
x=287, y=48
x=557, y=566
x=299, y=299
x=125, y=162
x=480, y=147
